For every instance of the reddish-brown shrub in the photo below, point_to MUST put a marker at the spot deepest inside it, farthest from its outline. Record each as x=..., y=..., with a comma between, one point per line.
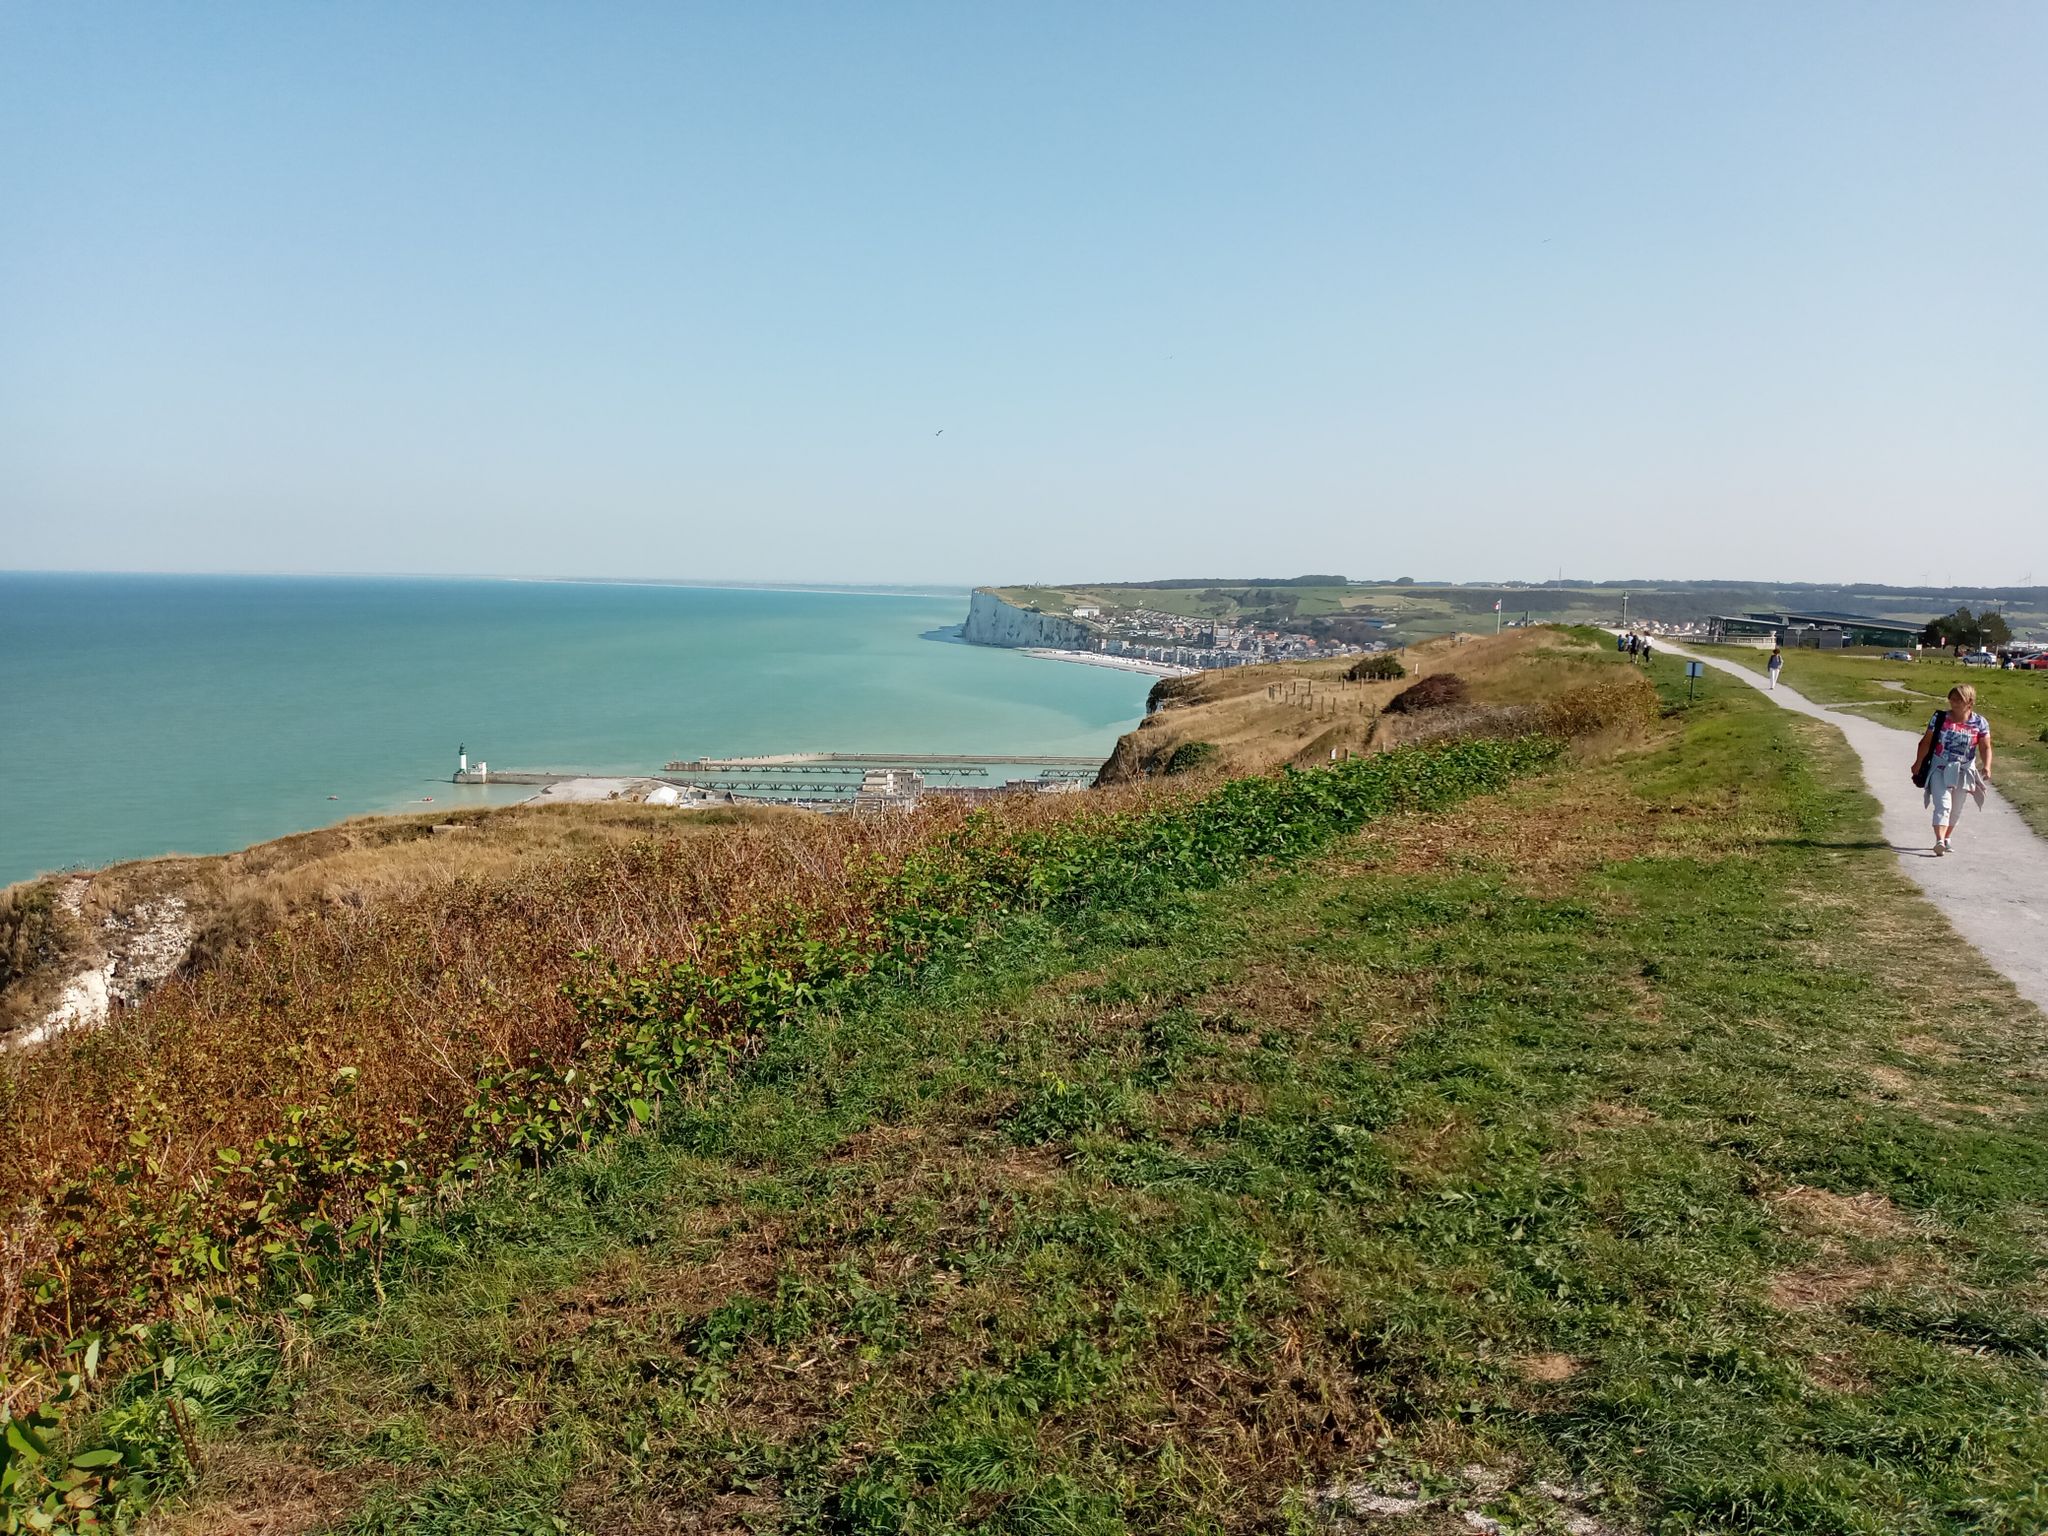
x=1436, y=691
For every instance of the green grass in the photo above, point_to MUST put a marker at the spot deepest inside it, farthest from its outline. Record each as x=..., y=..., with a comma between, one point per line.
x=2016, y=704
x=1615, y=1132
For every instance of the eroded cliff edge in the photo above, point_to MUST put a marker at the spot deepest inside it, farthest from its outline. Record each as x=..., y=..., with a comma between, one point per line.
x=992, y=621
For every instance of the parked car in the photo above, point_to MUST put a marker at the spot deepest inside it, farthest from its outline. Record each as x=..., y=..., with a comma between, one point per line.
x=1980, y=659
x=1898, y=655
x=2034, y=663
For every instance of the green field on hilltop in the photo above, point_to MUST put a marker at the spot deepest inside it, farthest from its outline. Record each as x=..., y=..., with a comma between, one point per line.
x=1419, y=610
x=1906, y=693
x=1416, y=611
x=1604, y=1149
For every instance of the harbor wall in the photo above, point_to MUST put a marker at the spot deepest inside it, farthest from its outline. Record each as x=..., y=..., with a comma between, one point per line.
x=991, y=621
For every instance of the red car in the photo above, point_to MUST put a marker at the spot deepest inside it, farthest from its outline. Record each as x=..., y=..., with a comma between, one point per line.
x=2034, y=663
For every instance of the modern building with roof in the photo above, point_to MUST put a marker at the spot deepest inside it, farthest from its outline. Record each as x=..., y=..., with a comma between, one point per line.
x=1810, y=627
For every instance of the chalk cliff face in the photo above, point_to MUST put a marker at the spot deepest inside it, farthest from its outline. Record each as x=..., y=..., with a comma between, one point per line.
x=991, y=621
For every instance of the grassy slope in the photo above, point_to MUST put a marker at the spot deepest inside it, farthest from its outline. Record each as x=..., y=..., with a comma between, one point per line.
x=2016, y=704
x=1260, y=717
x=1618, y=1129
x=234, y=898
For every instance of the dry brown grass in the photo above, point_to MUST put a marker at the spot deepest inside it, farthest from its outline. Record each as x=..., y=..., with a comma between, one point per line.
x=249, y=1494
x=1863, y=1241
x=1837, y=1277
x=1262, y=717
x=1575, y=825
x=1867, y=1215
x=235, y=898
x=1547, y=1369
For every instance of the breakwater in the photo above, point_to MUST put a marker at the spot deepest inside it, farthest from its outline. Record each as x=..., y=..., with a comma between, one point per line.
x=814, y=777
x=855, y=762
x=515, y=776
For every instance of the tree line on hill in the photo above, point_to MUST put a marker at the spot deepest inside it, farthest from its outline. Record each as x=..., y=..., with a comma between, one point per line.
x=1231, y=583
x=1986, y=631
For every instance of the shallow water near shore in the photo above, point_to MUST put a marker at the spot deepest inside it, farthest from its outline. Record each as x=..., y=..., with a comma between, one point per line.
x=142, y=715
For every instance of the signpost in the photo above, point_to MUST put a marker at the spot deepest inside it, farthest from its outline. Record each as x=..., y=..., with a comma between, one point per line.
x=1693, y=669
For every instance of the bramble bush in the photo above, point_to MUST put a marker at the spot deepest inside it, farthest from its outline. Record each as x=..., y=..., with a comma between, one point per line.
x=1436, y=691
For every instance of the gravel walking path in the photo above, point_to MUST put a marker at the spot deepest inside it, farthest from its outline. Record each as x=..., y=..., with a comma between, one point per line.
x=1993, y=887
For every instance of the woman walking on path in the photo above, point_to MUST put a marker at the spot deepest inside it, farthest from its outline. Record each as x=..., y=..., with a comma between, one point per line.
x=1955, y=751
x=1774, y=666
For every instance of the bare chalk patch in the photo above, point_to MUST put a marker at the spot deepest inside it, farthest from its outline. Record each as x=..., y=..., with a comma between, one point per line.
x=1474, y=1498
x=143, y=946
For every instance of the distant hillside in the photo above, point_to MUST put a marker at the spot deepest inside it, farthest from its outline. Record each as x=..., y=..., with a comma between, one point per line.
x=1358, y=611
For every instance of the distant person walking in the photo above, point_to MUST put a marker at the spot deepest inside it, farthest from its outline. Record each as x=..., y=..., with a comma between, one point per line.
x=1954, y=760
x=1774, y=666
x=1646, y=650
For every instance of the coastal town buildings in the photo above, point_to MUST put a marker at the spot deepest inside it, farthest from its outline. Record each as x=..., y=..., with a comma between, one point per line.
x=887, y=789
x=1146, y=634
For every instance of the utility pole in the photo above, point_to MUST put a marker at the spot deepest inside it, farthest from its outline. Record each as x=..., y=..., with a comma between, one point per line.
x=1624, y=610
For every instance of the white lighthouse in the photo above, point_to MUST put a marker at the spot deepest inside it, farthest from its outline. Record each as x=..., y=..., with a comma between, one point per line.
x=461, y=760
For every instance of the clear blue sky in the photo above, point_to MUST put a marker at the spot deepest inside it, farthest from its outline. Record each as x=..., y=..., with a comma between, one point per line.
x=1463, y=290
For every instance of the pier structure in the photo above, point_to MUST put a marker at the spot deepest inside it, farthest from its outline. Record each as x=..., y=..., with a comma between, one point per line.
x=828, y=770
x=860, y=762
x=837, y=779
x=881, y=779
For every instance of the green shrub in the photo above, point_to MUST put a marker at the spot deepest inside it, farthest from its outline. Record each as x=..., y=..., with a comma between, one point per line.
x=1380, y=667
x=1191, y=754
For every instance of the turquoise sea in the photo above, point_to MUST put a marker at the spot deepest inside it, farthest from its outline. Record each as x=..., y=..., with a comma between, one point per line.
x=150, y=714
